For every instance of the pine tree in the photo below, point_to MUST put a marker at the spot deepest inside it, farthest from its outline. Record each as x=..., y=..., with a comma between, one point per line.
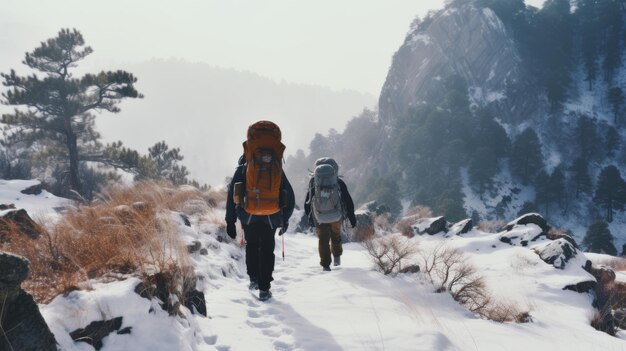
x=588, y=138
x=542, y=190
x=590, y=35
x=59, y=107
x=616, y=99
x=557, y=186
x=526, y=156
x=611, y=191
x=163, y=163
x=613, y=141
x=580, y=176
x=482, y=168
x=599, y=239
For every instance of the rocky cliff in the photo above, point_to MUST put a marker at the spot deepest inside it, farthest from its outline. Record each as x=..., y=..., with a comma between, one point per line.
x=466, y=41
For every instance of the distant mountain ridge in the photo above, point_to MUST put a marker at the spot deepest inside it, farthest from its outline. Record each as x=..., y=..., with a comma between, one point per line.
x=485, y=113
x=206, y=110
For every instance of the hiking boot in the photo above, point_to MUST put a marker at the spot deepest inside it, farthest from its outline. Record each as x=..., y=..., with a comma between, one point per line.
x=265, y=295
x=254, y=284
x=326, y=268
x=336, y=260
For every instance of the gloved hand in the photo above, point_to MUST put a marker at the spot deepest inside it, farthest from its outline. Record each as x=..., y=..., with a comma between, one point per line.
x=231, y=230
x=353, y=222
x=283, y=229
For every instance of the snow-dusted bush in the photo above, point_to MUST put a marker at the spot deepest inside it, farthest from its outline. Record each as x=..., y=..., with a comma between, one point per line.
x=450, y=270
x=391, y=252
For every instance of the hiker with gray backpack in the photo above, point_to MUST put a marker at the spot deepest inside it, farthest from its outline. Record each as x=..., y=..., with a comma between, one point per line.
x=327, y=205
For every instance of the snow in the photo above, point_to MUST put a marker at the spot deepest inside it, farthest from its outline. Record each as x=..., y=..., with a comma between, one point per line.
x=353, y=307
x=40, y=206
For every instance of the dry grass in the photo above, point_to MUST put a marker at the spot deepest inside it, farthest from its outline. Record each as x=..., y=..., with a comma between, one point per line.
x=491, y=226
x=128, y=230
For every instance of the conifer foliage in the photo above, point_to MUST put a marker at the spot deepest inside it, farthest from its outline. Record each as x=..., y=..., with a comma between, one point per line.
x=599, y=239
x=58, y=116
x=611, y=191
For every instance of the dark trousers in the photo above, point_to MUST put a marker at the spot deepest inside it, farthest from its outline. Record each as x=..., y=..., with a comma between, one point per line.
x=260, y=253
x=329, y=232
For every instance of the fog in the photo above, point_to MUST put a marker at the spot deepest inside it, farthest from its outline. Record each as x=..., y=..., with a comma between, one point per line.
x=210, y=68
x=206, y=111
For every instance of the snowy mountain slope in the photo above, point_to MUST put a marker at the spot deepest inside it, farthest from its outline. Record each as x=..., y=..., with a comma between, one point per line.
x=351, y=308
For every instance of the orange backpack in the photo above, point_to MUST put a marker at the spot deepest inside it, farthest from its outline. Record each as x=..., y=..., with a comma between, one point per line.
x=263, y=152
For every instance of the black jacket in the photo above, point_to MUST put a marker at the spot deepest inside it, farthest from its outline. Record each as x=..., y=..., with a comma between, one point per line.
x=346, y=199
x=276, y=220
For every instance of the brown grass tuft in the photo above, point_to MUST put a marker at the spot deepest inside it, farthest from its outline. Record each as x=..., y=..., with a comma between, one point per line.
x=491, y=226
x=128, y=230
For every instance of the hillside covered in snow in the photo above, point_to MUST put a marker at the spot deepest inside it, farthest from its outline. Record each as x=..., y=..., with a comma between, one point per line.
x=532, y=285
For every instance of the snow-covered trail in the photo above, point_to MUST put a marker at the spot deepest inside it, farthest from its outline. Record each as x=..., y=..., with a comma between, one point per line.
x=356, y=308
x=350, y=308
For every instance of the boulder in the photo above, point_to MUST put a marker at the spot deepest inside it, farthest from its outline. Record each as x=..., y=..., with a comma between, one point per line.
x=619, y=316
x=23, y=327
x=93, y=333
x=4, y=207
x=20, y=220
x=582, y=287
x=13, y=269
x=33, y=189
x=430, y=226
x=529, y=218
x=462, y=227
x=556, y=252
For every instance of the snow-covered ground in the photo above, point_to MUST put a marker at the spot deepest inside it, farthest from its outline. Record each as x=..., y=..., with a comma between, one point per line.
x=353, y=307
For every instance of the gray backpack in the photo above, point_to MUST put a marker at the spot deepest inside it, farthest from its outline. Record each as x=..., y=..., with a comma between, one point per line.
x=326, y=203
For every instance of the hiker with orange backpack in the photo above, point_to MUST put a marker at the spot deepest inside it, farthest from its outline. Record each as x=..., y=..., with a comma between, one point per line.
x=260, y=195
x=327, y=204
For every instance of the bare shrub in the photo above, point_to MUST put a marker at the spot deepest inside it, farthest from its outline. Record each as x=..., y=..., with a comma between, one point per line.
x=450, y=270
x=390, y=252
x=129, y=230
x=492, y=226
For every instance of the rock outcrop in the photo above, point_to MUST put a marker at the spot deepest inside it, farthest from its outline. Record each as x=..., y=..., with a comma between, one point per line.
x=23, y=327
x=464, y=41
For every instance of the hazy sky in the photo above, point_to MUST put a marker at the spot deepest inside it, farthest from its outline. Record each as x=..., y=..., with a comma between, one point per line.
x=342, y=44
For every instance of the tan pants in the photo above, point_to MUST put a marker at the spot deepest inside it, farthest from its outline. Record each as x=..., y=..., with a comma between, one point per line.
x=330, y=232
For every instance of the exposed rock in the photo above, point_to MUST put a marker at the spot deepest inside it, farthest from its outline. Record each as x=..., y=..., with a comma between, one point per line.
x=529, y=218
x=462, y=227
x=185, y=219
x=23, y=327
x=194, y=247
x=194, y=301
x=13, y=269
x=204, y=251
x=556, y=252
x=33, y=189
x=582, y=287
x=522, y=235
x=98, y=330
x=430, y=226
x=463, y=41
x=7, y=207
x=619, y=316
x=21, y=221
